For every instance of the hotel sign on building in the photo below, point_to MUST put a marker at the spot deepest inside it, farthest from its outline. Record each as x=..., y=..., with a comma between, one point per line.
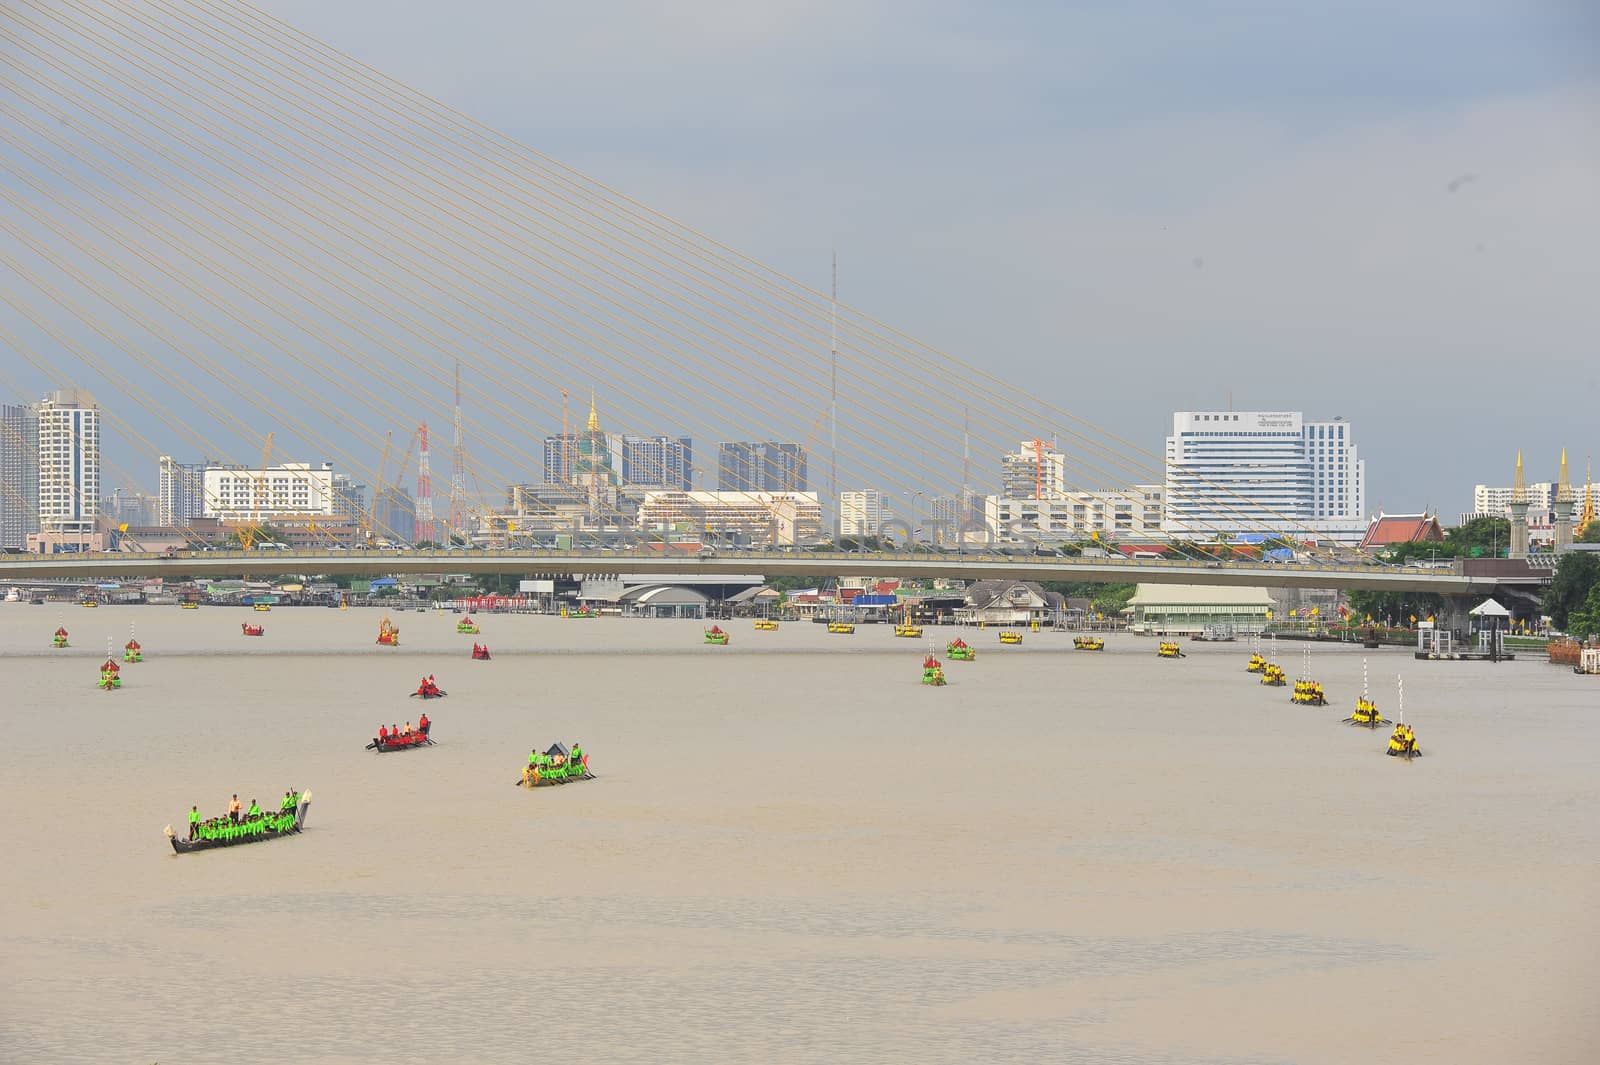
x=1255, y=472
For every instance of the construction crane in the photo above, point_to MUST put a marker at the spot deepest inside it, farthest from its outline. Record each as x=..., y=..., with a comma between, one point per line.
x=371, y=517
x=399, y=478
x=247, y=535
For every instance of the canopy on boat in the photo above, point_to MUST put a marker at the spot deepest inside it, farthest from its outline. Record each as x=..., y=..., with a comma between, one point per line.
x=555, y=749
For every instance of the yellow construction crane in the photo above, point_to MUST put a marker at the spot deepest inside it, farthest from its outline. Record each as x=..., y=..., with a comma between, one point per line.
x=377, y=494
x=247, y=535
x=370, y=519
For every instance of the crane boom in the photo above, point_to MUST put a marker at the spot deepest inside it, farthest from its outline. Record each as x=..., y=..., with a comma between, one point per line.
x=377, y=492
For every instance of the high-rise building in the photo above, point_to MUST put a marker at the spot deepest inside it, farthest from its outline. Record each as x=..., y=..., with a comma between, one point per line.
x=69, y=465
x=349, y=498
x=761, y=466
x=662, y=462
x=394, y=515
x=864, y=513
x=128, y=507
x=1036, y=470
x=19, y=474
x=1252, y=472
x=180, y=492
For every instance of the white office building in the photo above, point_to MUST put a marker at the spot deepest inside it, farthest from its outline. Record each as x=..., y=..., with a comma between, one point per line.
x=864, y=513
x=775, y=518
x=69, y=465
x=1263, y=472
x=1134, y=513
x=294, y=488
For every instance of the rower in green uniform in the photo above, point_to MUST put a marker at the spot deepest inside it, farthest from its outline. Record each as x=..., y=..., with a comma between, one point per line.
x=577, y=757
x=255, y=809
x=194, y=821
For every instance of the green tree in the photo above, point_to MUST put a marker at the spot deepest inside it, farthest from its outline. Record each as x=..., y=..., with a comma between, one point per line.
x=1490, y=534
x=1576, y=576
x=1591, y=535
x=1584, y=621
x=1396, y=607
x=789, y=584
x=1105, y=599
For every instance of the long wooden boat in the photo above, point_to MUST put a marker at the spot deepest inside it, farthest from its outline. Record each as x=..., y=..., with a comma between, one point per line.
x=389, y=744
x=548, y=776
x=185, y=846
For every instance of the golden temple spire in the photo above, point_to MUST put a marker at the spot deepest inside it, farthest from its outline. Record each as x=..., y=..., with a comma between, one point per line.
x=594, y=417
x=1519, y=486
x=1563, y=483
x=1587, y=518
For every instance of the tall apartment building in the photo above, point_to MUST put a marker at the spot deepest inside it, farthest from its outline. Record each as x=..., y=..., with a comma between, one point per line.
x=661, y=462
x=394, y=515
x=349, y=499
x=761, y=466
x=180, y=492
x=19, y=474
x=1244, y=472
x=69, y=465
x=567, y=455
x=294, y=488
x=864, y=513
x=1036, y=470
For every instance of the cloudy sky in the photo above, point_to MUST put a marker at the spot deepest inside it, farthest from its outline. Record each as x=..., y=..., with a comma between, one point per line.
x=1386, y=212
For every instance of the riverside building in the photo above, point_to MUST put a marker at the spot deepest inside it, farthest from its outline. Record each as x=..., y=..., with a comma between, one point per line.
x=1254, y=472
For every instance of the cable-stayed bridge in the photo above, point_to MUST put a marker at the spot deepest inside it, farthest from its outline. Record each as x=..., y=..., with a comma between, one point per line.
x=848, y=564
x=243, y=242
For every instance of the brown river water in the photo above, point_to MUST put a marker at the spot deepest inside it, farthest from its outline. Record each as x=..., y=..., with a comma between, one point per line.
x=794, y=851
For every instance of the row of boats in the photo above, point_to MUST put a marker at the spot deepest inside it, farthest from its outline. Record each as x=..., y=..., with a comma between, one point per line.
x=1309, y=692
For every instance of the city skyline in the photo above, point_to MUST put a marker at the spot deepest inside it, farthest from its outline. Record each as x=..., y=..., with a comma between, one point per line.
x=993, y=478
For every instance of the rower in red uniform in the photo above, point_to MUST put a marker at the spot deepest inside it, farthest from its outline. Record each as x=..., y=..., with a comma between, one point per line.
x=422, y=724
x=383, y=734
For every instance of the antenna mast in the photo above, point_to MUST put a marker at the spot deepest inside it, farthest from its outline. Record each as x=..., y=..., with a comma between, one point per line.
x=966, y=472
x=833, y=403
x=458, y=469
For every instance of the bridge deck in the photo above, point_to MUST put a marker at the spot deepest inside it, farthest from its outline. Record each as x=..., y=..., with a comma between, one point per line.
x=967, y=566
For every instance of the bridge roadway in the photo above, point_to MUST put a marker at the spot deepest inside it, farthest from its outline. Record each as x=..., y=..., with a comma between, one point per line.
x=965, y=566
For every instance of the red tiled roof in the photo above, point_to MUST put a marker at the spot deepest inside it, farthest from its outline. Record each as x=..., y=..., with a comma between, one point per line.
x=1388, y=529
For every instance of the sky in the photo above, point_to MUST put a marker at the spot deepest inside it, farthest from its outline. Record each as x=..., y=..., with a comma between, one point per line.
x=1385, y=212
